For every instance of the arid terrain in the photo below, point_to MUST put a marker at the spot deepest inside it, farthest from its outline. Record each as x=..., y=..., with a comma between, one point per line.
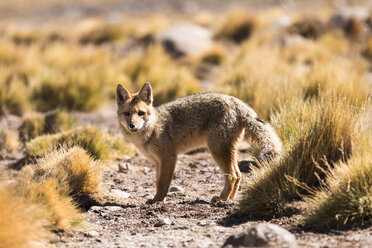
x=69, y=179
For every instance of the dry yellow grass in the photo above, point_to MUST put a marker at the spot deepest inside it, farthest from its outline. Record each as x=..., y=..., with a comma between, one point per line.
x=169, y=80
x=98, y=144
x=314, y=133
x=73, y=168
x=36, y=124
x=22, y=223
x=346, y=198
x=237, y=26
x=9, y=140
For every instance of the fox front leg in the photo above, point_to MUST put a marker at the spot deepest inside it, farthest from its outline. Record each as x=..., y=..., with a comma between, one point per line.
x=164, y=177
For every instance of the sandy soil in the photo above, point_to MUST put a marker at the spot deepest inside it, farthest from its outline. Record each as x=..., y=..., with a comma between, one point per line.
x=189, y=220
x=186, y=219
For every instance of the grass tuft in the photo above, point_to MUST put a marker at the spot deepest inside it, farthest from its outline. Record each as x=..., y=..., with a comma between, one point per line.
x=21, y=222
x=237, y=26
x=169, y=80
x=346, y=199
x=315, y=134
x=97, y=143
x=77, y=89
x=13, y=96
x=36, y=124
x=9, y=141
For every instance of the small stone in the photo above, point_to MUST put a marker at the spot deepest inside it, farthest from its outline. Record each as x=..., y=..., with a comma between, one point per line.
x=145, y=170
x=176, y=189
x=123, y=167
x=202, y=223
x=162, y=222
x=264, y=235
x=113, y=208
x=95, y=209
x=119, y=193
x=91, y=234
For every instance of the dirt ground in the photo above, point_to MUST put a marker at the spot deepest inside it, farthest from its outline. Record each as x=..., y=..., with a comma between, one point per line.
x=187, y=218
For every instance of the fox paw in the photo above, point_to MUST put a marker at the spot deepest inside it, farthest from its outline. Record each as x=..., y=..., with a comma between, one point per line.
x=216, y=199
x=152, y=201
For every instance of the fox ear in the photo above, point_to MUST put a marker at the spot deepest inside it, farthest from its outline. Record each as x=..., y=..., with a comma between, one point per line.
x=145, y=94
x=121, y=94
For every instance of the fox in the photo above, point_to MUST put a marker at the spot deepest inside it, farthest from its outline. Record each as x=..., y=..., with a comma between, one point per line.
x=212, y=120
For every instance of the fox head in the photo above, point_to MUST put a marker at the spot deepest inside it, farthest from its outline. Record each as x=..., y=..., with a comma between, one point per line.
x=134, y=110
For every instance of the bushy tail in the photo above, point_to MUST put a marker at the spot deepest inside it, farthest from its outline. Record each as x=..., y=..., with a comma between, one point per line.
x=264, y=135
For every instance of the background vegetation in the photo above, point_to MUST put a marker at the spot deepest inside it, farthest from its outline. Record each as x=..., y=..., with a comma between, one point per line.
x=309, y=76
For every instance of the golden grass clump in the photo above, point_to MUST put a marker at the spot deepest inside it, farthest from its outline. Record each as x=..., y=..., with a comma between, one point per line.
x=73, y=168
x=77, y=89
x=9, y=140
x=237, y=26
x=346, y=198
x=169, y=80
x=35, y=124
x=315, y=133
x=260, y=77
x=104, y=33
x=367, y=52
x=346, y=77
x=22, y=223
x=214, y=55
x=98, y=144
x=308, y=28
x=53, y=195
x=13, y=94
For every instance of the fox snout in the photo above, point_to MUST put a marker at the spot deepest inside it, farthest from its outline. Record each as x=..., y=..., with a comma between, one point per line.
x=132, y=127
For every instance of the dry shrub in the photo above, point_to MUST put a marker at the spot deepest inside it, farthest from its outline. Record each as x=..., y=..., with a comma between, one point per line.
x=169, y=80
x=266, y=76
x=52, y=194
x=214, y=55
x=339, y=75
x=22, y=223
x=315, y=133
x=9, y=141
x=308, y=28
x=103, y=34
x=237, y=26
x=354, y=27
x=261, y=77
x=35, y=124
x=77, y=89
x=13, y=94
x=73, y=168
x=367, y=52
x=346, y=198
x=97, y=143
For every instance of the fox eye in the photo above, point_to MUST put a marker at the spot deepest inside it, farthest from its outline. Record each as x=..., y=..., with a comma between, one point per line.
x=127, y=113
x=140, y=113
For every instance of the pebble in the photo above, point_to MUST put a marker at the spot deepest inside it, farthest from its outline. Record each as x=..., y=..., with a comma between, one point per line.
x=162, y=222
x=91, y=234
x=120, y=194
x=113, y=208
x=123, y=167
x=95, y=209
x=176, y=189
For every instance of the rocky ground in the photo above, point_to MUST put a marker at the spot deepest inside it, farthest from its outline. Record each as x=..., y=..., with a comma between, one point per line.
x=187, y=218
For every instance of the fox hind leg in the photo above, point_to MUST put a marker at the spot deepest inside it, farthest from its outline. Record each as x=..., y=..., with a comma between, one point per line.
x=226, y=157
x=237, y=182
